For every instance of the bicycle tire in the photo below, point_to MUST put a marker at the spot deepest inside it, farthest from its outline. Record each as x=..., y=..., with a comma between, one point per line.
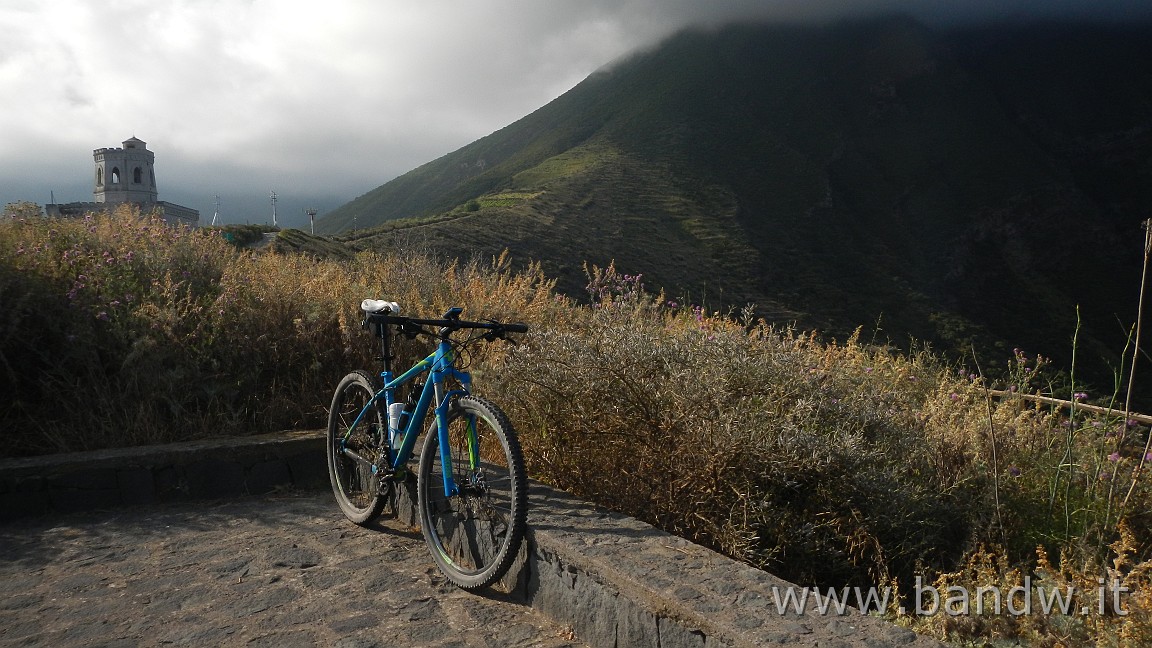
x=356, y=485
x=475, y=536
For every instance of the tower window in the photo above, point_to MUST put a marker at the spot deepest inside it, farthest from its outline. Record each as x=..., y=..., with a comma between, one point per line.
x=99, y=176
x=115, y=175
x=137, y=175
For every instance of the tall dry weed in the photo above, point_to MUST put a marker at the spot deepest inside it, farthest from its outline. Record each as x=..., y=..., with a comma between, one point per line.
x=124, y=331
x=830, y=464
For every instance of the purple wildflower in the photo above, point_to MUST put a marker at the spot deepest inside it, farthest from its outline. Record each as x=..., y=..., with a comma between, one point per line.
x=1079, y=396
x=1114, y=457
x=1014, y=471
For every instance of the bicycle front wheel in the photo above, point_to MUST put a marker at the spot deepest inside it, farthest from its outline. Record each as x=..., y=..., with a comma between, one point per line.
x=352, y=458
x=476, y=533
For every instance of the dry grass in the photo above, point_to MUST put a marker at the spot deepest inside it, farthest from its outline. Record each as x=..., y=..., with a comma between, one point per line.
x=119, y=330
x=829, y=464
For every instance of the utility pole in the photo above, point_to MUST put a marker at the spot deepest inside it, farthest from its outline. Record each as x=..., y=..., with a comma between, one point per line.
x=217, y=212
x=311, y=219
x=273, y=197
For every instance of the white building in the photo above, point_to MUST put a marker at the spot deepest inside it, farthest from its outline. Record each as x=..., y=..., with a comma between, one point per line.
x=126, y=175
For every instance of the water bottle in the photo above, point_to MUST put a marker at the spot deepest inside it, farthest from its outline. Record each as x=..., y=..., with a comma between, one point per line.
x=395, y=432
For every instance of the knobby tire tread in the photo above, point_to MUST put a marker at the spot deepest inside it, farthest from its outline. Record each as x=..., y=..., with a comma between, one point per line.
x=341, y=470
x=430, y=494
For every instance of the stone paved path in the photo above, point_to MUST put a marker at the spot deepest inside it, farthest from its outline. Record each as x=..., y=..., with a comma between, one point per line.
x=284, y=570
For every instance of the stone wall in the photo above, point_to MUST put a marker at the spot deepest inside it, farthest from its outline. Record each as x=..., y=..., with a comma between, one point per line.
x=616, y=581
x=172, y=213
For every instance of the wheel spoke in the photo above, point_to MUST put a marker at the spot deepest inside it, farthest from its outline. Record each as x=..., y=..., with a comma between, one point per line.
x=474, y=535
x=353, y=453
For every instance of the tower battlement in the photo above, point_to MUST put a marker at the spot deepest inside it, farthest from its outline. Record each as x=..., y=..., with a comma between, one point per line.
x=127, y=174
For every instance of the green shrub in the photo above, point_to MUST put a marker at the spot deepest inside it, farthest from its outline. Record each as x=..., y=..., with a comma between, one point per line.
x=243, y=235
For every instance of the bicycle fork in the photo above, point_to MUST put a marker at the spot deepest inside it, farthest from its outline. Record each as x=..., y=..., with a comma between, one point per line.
x=441, y=371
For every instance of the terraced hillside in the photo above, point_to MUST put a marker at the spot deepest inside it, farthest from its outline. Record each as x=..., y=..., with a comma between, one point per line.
x=968, y=187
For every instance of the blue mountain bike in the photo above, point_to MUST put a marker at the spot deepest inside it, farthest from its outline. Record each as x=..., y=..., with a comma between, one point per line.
x=471, y=485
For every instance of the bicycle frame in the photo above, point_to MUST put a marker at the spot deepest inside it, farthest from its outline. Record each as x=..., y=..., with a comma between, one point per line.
x=473, y=516
x=440, y=365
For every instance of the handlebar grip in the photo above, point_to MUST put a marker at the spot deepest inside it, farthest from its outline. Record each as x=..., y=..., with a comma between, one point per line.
x=516, y=328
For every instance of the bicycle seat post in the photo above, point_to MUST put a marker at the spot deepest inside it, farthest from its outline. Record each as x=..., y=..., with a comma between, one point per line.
x=385, y=332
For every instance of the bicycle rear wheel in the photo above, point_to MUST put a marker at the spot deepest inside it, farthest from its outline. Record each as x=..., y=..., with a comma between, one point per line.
x=352, y=458
x=474, y=535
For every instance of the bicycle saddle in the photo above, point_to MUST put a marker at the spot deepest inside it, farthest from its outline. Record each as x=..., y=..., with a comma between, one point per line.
x=379, y=306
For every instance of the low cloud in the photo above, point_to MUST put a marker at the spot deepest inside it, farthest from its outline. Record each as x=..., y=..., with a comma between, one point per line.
x=338, y=97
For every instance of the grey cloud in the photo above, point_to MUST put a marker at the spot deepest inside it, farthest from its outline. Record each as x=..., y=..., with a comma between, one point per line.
x=250, y=97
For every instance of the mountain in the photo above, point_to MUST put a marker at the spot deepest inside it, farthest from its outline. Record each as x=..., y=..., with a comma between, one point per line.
x=970, y=187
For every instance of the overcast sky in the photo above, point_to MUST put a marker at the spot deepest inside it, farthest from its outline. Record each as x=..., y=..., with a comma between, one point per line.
x=324, y=101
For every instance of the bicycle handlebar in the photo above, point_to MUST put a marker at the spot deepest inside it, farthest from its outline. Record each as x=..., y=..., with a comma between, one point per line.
x=452, y=324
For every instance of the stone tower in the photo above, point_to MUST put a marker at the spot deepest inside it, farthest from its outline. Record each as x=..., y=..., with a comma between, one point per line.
x=125, y=174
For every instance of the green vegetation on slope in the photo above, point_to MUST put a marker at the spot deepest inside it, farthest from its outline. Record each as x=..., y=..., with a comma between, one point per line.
x=974, y=189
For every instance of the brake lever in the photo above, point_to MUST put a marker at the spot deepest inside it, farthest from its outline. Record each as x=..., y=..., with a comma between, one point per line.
x=410, y=330
x=499, y=334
